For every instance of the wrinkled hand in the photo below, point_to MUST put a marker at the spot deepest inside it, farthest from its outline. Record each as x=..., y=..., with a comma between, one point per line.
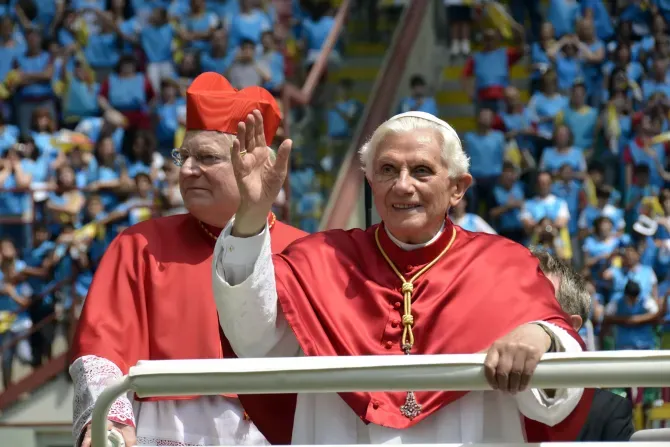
x=259, y=177
x=511, y=361
x=127, y=432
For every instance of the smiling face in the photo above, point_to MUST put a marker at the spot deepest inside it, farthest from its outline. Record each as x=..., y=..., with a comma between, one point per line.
x=206, y=178
x=411, y=186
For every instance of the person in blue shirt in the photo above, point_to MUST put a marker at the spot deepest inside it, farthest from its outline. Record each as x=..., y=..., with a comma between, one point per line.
x=166, y=115
x=218, y=59
x=107, y=171
x=33, y=89
x=539, y=59
x=568, y=61
x=156, y=40
x=599, y=248
x=342, y=119
x=80, y=99
x=272, y=58
x=603, y=207
x=544, y=205
x=469, y=221
x=562, y=153
x=567, y=188
x=248, y=24
x=508, y=199
x=39, y=260
x=633, y=316
x=316, y=29
x=622, y=58
x=580, y=118
x=658, y=80
x=544, y=106
x=632, y=269
x=418, y=101
x=486, y=149
x=563, y=16
x=638, y=191
x=16, y=203
x=15, y=296
x=595, y=11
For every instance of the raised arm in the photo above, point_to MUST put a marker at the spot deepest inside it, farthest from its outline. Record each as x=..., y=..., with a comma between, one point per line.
x=243, y=275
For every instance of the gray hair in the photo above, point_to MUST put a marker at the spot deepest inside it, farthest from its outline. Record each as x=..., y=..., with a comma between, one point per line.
x=453, y=155
x=572, y=295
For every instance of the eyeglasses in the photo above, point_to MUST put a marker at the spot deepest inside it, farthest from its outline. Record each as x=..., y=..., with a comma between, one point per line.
x=179, y=157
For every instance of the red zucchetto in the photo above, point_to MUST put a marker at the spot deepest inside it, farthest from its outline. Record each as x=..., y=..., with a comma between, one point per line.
x=213, y=104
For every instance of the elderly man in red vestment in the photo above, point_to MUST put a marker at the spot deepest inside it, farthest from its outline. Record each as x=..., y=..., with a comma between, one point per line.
x=151, y=298
x=415, y=284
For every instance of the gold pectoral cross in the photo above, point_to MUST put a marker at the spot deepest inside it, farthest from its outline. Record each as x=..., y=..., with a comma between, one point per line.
x=411, y=408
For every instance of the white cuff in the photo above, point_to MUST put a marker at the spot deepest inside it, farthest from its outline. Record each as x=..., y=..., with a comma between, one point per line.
x=235, y=257
x=535, y=404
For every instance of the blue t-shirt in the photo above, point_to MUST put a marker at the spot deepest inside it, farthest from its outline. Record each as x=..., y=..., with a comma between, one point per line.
x=339, y=118
x=487, y=153
x=552, y=160
x=426, y=104
x=509, y=220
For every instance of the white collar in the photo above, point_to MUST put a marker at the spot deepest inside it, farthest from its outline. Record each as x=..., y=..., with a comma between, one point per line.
x=409, y=247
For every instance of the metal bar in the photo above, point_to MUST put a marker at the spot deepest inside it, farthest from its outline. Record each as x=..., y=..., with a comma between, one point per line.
x=373, y=373
x=389, y=373
x=101, y=409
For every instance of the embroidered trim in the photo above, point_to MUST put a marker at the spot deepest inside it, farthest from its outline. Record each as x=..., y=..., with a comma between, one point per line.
x=91, y=375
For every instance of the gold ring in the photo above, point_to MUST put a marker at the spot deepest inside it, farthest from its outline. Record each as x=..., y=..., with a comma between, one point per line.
x=243, y=153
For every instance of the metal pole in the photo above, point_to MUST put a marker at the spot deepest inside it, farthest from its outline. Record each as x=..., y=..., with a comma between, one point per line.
x=101, y=409
x=387, y=373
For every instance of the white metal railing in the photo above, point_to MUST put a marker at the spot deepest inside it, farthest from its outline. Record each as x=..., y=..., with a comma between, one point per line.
x=374, y=373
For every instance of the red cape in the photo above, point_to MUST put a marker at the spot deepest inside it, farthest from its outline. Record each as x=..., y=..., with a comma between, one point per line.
x=157, y=276
x=349, y=303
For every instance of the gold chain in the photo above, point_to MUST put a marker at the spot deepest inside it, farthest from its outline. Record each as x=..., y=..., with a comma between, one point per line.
x=271, y=224
x=408, y=288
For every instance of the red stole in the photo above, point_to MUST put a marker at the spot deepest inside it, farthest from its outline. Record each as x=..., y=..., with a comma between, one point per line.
x=154, y=277
x=350, y=303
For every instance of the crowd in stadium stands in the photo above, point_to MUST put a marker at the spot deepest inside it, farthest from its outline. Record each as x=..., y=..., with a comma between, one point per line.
x=581, y=168
x=92, y=106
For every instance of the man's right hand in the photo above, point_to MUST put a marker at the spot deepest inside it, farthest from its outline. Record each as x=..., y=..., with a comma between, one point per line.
x=259, y=177
x=127, y=432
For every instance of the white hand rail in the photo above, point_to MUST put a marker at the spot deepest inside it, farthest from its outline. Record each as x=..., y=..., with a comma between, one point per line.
x=372, y=373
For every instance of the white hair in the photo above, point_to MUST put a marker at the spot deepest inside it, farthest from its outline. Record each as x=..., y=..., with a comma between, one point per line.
x=453, y=155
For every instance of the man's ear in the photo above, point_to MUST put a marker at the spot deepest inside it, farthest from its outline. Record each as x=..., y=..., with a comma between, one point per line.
x=458, y=187
x=576, y=322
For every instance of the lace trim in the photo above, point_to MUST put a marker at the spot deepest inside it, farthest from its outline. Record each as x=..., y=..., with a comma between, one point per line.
x=91, y=375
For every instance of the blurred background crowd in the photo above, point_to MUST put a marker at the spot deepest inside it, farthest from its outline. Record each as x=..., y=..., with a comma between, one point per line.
x=569, y=138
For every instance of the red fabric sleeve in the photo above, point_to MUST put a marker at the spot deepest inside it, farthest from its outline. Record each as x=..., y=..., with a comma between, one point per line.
x=468, y=68
x=104, y=89
x=513, y=56
x=113, y=324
